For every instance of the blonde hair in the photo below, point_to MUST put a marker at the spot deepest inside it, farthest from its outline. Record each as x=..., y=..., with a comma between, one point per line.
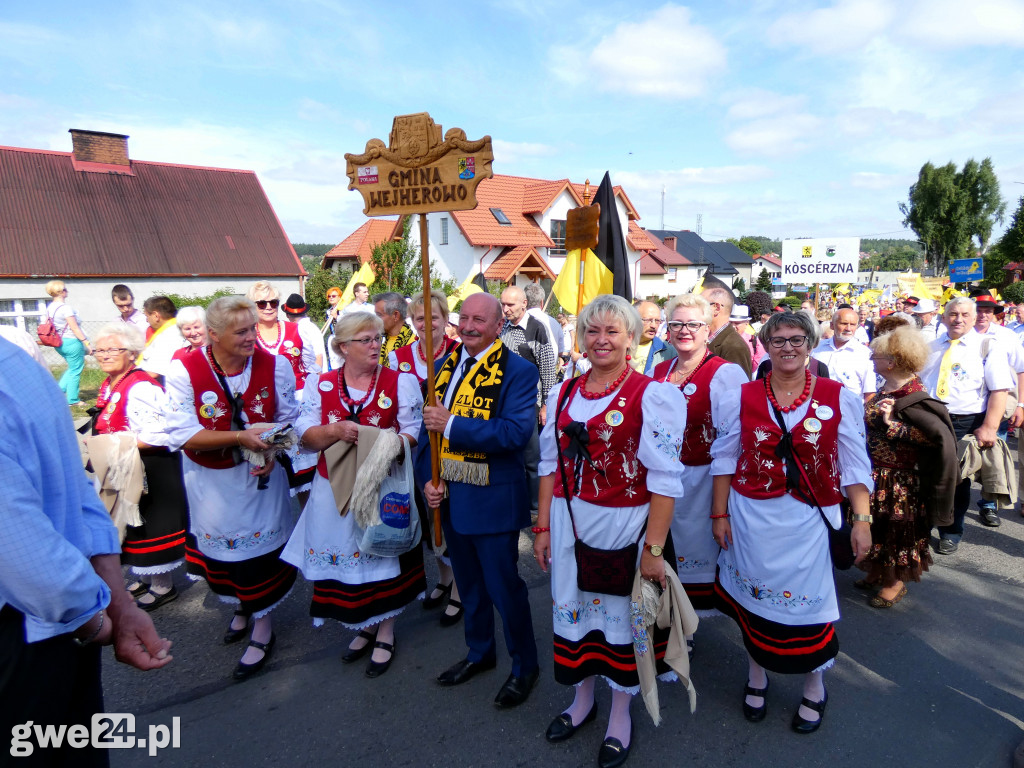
x=129, y=336
x=906, y=346
x=690, y=301
x=222, y=312
x=54, y=287
x=349, y=325
x=614, y=307
x=262, y=290
x=437, y=299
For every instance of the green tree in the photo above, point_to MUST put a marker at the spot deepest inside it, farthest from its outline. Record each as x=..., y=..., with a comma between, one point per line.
x=739, y=285
x=947, y=208
x=753, y=245
x=196, y=300
x=312, y=249
x=397, y=267
x=319, y=282
x=763, y=282
x=1009, y=248
x=1013, y=292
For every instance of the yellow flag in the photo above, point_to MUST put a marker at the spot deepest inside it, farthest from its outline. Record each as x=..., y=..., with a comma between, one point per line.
x=363, y=275
x=699, y=285
x=467, y=289
x=597, y=279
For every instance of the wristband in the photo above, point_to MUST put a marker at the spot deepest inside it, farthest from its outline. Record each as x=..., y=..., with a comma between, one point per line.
x=1020, y=405
x=863, y=518
x=82, y=643
x=719, y=517
x=539, y=529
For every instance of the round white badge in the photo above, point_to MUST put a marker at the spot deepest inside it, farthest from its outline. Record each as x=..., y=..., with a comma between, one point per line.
x=288, y=344
x=812, y=425
x=209, y=397
x=690, y=388
x=823, y=412
x=116, y=397
x=326, y=386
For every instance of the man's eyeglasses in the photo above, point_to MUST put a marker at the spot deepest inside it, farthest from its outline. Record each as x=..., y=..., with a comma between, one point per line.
x=796, y=341
x=112, y=352
x=368, y=340
x=653, y=320
x=692, y=326
x=272, y=303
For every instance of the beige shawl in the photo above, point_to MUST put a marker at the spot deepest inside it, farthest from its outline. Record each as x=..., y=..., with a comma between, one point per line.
x=120, y=476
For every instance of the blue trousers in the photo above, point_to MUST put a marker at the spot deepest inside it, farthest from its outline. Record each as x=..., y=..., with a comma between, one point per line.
x=487, y=573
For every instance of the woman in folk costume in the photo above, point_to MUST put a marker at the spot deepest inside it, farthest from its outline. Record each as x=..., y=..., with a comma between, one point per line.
x=238, y=528
x=130, y=400
x=192, y=327
x=618, y=434
x=775, y=571
x=281, y=338
x=412, y=359
x=703, y=378
x=364, y=592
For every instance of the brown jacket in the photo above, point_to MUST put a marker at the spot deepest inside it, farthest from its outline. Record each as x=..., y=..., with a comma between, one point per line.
x=940, y=470
x=730, y=346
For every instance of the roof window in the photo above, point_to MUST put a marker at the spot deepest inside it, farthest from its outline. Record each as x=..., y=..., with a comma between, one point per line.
x=500, y=217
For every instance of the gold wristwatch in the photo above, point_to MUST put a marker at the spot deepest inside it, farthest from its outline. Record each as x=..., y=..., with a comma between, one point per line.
x=654, y=549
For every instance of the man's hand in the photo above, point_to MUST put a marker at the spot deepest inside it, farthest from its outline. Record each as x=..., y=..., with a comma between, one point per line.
x=434, y=494
x=435, y=418
x=986, y=436
x=1017, y=419
x=135, y=639
x=542, y=416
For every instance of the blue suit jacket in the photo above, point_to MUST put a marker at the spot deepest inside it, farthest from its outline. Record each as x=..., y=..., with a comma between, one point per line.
x=659, y=351
x=504, y=505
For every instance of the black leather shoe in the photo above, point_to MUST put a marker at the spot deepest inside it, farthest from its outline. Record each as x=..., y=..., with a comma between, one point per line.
x=989, y=518
x=138, y=589
x=234, y=635
x=561, y=727
x=516, y=690
x=464, y=670
x=612, y=754
x=245, y=671
x=378, y=668
x=430, y=602
x=158, y=599
x=756, y=714
x=948, y=546
x=450, y=619
x=355, y=654
x=810, y=726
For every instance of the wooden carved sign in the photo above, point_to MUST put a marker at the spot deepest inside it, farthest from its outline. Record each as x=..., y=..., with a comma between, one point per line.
x=581, y=227
x=418, y=172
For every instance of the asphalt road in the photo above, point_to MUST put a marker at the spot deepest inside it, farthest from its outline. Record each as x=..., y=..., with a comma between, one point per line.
x=936, y=681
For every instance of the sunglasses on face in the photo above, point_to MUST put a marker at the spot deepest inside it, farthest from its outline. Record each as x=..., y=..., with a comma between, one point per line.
x=272, y=303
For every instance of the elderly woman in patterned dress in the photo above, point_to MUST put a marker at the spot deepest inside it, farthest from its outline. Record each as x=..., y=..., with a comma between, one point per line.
x=130, y=400
x=238, y=527
x=364, y=592
x=775, y=569
x=622, y=493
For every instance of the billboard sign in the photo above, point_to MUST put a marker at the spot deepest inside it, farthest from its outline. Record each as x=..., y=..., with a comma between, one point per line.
x=821, y=260
x=966, y=270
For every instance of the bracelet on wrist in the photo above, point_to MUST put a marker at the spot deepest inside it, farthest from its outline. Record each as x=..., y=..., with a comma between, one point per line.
x=720, y=517
x=81, y=643
x=863, y=518
x=540, y=529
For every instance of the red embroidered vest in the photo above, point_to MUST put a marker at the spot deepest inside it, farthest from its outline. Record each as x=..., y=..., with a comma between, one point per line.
x=291, y=348
x=760, y=473
x=699, y=432
x=381, y=409
x=614, y=442
x=407, y=358
x=114, y=414
x=179, y=354
x=213, y=409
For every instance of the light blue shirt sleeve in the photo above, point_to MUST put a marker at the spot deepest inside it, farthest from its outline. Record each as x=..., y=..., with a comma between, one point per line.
x=53, y=520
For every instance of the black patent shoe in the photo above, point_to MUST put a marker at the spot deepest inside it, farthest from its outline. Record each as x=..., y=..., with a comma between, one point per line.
x=245, y=671
x=562, y=728
x=234, y=635
x=810, y=726
x=612, y=754
x=355, y=654
x=430, y=602
x=756, y=714
x=451, y=619
x=378, y=668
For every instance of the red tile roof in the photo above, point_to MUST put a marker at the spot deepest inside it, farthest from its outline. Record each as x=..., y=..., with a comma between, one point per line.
x=507, y=193
x=631, y=212
x=771, y=258
x=522, y=258
x=638, y=239
x=538, y=197
x=156, y=219
x=651, y=266
x=360, y=244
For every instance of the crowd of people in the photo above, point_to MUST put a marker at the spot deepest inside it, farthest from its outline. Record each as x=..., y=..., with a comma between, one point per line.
x=727, y=452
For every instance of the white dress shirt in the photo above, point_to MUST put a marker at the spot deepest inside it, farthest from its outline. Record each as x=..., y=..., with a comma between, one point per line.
x=849, y=364
x=971, y=378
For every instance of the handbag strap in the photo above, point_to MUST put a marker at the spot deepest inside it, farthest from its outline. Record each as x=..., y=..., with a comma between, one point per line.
x=562, y=400
x=795, y=459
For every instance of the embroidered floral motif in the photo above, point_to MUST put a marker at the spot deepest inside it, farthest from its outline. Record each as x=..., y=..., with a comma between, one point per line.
x=605, y=433
x=782, y=598
x=682, y=564
x=638, y=627
x=575, y=611
x=239, y=541
x=333, y=417
x=335, y=558
x=665, y=441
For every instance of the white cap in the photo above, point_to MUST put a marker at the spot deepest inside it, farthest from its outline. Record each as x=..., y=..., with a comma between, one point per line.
x=925, y=306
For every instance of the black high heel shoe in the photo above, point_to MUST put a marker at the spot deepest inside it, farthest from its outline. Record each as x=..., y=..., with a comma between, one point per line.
x=756, y=714
x=810, y=726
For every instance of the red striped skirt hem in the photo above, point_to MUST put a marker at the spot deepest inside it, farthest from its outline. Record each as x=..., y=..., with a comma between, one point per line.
x=257, y=584
x=358, y=603
x=576, y=660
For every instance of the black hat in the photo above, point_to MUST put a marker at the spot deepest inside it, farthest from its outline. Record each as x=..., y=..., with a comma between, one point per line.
x=295, y=305
x=911, y=301
x=983, y=298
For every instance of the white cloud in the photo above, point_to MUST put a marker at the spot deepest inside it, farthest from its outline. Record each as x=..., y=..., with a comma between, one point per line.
x=841, y=28
x=712, y=176
x=664, y=55
x=775, y=136
x=958, y=24
x=516, y=151
x=872, y=180
x=755, y=103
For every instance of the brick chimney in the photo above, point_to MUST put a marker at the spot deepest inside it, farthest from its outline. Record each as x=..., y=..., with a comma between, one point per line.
x=670, y=242
x=98, y=147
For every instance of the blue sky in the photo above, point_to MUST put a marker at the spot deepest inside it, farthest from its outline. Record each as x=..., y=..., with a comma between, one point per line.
x=786, y=119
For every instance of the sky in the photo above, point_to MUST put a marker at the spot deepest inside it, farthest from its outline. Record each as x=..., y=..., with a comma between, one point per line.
x=786, y=119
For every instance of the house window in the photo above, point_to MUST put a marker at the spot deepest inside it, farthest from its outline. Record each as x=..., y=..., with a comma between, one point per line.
x=444, y=230
x=671, y=274
x=500, y=217
x=558, y=236
x=22, y=313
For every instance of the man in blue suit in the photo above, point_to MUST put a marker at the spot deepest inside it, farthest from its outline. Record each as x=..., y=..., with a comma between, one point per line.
x=485, y=415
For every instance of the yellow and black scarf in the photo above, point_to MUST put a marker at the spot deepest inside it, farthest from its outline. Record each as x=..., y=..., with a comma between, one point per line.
x=404, y=338
x=476, y=398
